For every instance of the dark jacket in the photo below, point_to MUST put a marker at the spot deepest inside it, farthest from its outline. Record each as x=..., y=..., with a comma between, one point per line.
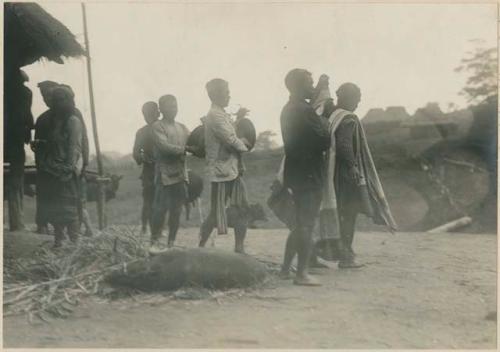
x=144, y=141
x=43, y=127
x=42, y=133
x=64, y=147
x=305, y=137
x=346, y=186
x=18, y=120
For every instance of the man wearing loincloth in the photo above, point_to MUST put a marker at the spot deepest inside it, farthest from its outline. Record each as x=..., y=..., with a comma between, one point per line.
x=223, y=149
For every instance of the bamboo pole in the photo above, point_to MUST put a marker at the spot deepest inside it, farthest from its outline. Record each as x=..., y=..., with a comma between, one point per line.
x=453, y=225
x=101, y=197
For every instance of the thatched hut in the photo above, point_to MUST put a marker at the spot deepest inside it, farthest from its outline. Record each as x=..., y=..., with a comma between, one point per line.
x=31, y=33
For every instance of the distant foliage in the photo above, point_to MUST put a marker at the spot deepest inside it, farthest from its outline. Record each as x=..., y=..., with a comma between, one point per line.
x=481, y=65
x=113, y=162
x=265, y=141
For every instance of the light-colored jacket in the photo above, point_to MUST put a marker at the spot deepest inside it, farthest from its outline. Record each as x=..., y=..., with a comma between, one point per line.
x=222, y=147
x=170, y=157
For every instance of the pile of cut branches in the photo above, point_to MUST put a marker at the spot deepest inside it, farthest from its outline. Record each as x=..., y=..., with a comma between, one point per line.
x=51, y=282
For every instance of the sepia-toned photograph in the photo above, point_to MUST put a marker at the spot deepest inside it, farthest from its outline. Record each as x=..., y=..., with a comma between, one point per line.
x=250, y=175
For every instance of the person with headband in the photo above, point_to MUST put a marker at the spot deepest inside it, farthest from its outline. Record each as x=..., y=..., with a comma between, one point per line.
x=39, y=147
x=63, y=164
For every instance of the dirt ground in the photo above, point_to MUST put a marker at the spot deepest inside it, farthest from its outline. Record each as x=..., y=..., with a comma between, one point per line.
x=417, y=291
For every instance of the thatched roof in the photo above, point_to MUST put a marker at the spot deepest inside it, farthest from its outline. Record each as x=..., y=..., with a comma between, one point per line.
x=31, y=33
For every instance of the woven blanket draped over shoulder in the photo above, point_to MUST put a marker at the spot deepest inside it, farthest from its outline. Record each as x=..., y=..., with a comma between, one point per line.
x=368, y=177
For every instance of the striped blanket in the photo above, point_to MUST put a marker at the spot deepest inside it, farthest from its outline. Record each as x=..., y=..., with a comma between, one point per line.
x=232, y=199
x=372, y=193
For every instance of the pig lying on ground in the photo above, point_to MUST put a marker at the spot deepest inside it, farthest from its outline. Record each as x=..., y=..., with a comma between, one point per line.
x=199, y=267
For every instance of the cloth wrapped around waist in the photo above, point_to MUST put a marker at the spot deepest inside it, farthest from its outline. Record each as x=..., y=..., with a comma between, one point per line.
x=231, y=204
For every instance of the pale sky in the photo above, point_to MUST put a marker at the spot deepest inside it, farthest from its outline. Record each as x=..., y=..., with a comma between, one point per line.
x=399, y=54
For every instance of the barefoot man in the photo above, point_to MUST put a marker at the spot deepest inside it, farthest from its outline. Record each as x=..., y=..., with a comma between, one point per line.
x=63, y=165
x=39, y=146
x=143, y=155
x=352, y=184
x=223, y=152
x=305, y=138
x=170, y=139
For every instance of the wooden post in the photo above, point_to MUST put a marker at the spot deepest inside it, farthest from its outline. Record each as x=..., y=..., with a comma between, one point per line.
x=101, y=198
x=101, y=202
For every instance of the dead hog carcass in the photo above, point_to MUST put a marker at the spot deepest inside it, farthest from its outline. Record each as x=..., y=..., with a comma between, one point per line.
x=199, y=267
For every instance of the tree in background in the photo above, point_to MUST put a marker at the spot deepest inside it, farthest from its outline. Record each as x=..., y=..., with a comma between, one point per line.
x=481, y=91
x=481, y=66
x=265, y=140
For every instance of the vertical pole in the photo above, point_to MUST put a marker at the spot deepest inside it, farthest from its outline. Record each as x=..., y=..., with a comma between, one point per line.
x=101, y=198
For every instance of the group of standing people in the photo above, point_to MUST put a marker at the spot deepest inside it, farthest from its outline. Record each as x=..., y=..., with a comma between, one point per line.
x=161, y=147
x=61, y=149
x=329, y=173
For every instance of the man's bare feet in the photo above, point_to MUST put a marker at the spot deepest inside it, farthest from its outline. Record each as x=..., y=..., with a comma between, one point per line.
x=157, y=247
x=306, y=280
x=239, y=248
x=318, y=265
x=285, y=275
x=350, y=264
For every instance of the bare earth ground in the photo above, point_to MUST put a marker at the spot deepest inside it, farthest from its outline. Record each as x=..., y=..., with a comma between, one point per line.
x=417, y=291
